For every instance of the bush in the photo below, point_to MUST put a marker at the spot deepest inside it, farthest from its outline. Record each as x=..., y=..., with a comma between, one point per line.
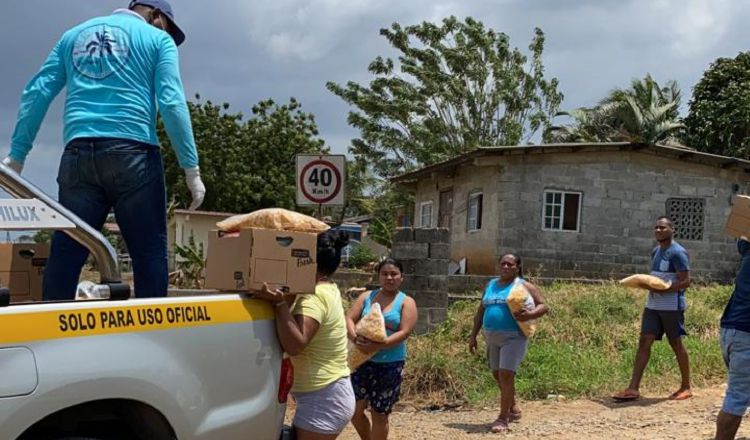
x=361, y=256
x=585, y=346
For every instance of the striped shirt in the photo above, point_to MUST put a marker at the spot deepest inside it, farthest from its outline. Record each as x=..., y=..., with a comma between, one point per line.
x=665, y=264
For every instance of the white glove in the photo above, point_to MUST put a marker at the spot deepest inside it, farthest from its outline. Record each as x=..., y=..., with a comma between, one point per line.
x=13, y=164
x=195, y=185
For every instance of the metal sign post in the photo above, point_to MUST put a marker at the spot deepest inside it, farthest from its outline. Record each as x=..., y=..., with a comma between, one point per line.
x=321, y=180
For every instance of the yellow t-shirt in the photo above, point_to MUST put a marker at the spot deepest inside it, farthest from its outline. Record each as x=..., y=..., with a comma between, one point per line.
x=323, y=361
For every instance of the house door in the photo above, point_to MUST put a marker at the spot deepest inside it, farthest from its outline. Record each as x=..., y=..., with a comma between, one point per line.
x=445, y=209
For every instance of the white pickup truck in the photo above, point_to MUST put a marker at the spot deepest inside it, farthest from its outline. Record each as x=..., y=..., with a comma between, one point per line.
x=198, y=367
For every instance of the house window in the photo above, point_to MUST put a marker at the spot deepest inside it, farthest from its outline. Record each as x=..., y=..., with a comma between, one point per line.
x=425, y=214
x=562, y=211
x=687, y=217
x=474, y=212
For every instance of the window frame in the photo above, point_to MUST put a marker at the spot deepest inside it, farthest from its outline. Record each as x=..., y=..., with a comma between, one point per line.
x=562, y=210
x=422, y=205
x=479, y=196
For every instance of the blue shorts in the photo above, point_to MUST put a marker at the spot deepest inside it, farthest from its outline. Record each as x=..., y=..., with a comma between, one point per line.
x=735, y=348
x=660, y=322
x=379, y=383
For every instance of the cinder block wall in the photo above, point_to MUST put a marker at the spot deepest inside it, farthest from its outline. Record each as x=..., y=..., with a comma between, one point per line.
x=425, y=254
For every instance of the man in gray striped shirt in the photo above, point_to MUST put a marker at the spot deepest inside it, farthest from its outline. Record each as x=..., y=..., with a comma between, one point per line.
x=665, y=311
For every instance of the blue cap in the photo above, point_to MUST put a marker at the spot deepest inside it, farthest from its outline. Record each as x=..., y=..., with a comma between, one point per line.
x=177, y=35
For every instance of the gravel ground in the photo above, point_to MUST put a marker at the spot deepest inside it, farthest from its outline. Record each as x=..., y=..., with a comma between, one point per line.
x=651, y=418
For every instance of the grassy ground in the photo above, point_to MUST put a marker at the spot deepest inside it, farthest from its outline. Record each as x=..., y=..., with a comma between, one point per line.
x=584, y=347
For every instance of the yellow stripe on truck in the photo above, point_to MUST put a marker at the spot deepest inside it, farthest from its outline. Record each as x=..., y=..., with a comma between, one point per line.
x=35, y=326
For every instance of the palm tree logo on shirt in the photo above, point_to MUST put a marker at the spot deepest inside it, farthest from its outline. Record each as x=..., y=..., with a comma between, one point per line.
x=100, y=50
x=102, y=44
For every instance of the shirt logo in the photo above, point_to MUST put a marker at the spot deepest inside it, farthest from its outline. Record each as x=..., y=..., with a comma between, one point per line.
x=100, y=51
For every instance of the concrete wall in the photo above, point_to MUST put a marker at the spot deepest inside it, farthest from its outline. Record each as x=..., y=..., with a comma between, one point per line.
x=463, y=182
x=425, y=256
x=623, y=192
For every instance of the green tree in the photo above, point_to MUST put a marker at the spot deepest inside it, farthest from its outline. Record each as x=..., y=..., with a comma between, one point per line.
x=718, y=119
x=458, y=86
x=246, y=164
x=190, y=263
x=643, y=113
x=43, y=236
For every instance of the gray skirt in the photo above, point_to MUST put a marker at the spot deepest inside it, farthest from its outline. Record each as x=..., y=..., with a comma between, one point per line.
x=327, y=410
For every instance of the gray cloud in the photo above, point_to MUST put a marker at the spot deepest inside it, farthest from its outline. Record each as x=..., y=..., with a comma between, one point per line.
x=242, y=52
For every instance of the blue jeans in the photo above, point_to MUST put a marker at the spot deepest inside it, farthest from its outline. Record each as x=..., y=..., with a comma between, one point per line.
x=95, y=176
x=735, y=348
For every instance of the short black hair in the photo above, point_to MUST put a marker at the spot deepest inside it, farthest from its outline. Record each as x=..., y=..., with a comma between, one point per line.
x=392, y=261
x=664, y=217
x=330, y=244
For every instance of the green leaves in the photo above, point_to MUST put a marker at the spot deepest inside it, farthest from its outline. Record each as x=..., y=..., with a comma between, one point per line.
x=246, y=163
x=643, y=113
x=454, y=87
x=718, y=120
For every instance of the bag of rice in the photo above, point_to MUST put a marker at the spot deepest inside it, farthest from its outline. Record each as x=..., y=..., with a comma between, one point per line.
x=648, y=282
x=273, y=218
x=520, y=298
x=372, y=327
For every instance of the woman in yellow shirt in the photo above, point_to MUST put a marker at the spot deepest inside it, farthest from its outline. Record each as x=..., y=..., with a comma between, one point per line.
x=313, y=333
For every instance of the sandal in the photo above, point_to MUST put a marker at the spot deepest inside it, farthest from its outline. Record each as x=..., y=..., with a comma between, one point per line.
x=514, y=416
x=681, y=394
x=500, y=426
x=626, y=395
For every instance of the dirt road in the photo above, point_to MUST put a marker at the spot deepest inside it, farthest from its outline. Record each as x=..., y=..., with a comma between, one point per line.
x=651, y=418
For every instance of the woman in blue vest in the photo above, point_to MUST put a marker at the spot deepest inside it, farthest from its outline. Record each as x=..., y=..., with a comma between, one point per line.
x=378, y=381
x=506, y=344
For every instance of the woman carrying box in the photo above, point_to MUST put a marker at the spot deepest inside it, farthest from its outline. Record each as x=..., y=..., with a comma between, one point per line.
x=377, y=382
x=506, y=343
x=313, y=333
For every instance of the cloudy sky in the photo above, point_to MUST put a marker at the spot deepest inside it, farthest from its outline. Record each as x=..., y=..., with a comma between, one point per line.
x=245, y=51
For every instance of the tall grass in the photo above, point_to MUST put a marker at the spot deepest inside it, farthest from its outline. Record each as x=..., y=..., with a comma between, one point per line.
x=584, y=347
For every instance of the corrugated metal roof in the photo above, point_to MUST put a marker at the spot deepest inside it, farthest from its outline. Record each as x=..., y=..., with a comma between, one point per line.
x=673, y=152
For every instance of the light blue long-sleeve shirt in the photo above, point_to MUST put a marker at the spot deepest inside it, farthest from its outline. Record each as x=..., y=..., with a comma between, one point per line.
x=117, y=69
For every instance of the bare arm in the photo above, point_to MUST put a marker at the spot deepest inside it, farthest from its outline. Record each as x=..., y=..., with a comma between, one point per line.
x=295, y=332
x=477, y=326
x=354, y=315
x=540, y=306
x=683, y=281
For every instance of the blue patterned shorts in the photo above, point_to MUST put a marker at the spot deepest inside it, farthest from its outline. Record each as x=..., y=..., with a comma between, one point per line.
x=379, y=383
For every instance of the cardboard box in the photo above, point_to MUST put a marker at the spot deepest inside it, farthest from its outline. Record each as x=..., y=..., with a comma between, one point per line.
x=244, y=260
x=738, y=222
x=22, y=268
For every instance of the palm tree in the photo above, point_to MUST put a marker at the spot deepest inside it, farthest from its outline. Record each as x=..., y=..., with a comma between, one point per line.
x=643, y=113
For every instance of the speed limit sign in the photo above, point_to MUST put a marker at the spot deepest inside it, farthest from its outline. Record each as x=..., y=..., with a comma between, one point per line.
x=320, y=179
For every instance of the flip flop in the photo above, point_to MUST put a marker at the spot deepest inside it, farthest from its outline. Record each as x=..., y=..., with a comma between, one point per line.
x=681, y=395
x=499, y=426
x=626, y=395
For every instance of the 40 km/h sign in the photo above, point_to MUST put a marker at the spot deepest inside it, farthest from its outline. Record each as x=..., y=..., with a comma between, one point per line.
x=320, y=179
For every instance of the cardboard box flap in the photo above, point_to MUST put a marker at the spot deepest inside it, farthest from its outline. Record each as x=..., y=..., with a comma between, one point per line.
x=245, y=260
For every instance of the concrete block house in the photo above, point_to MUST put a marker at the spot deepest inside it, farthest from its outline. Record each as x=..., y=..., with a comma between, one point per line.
x=581, y=210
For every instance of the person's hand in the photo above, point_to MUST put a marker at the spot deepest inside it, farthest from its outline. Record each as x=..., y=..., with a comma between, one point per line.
x=196, y=187
x=13, y=164
x=366, y=345
x=274, y=296
x=473, y=345
x=523, y=315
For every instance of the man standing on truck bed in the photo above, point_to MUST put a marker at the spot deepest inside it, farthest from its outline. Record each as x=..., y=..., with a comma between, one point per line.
x=117, y=69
